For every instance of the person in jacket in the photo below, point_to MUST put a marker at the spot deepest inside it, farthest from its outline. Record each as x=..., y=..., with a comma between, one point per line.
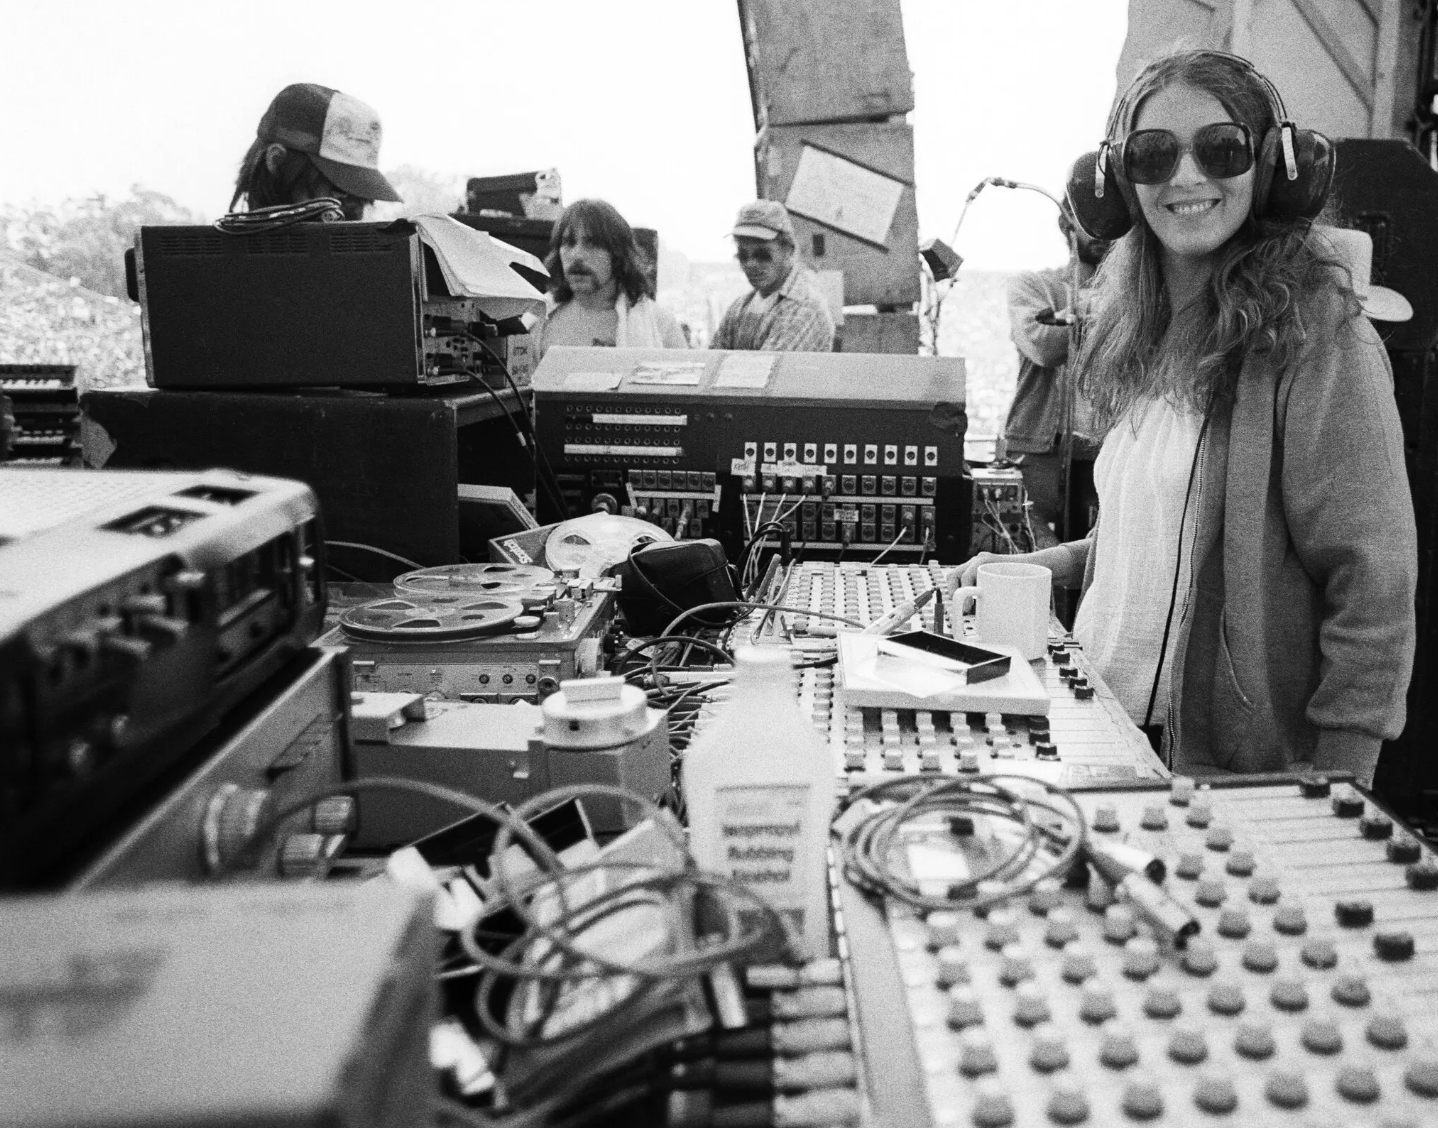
x=1249, y=587
x=784, y=312
x=600, y=292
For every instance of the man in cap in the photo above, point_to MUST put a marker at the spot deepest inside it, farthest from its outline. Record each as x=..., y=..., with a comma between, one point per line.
x=314, y=142
x=785, y=311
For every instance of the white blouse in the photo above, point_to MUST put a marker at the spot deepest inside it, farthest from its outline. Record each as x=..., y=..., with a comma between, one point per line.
x=1142, y=475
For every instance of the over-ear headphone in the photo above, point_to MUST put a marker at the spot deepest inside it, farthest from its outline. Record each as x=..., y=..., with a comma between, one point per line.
x=1293, y=168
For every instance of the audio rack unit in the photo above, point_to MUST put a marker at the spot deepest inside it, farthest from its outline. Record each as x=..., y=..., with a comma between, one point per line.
x=852, y=454
x=136, y=609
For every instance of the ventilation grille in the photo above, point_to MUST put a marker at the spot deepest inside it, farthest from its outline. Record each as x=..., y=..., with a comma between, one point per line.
x=362, y=242
x=276, y=243
x=190, y=242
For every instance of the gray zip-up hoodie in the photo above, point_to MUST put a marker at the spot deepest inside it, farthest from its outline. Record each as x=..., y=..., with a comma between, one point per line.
x=1295, y=643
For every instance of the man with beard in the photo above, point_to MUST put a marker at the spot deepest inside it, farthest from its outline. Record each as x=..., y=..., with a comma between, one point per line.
x=785, y=311
x=600, y=293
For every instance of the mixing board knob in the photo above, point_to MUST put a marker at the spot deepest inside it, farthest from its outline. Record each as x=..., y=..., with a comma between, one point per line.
x=1421, y=1076
x=1154, y=817
x=993, y=1107
x=1187, y=1045
x=1180, y=792
x=1357, y=1083
x=186, y=580
x=1321, y=954
x=1047, y=895
x=969, y=761
x=1226, y=998
x=1199, y=958
x=1016, y=965
x=1240, y=863
x=1215, y=1093
x=1254, y=1040
x=1118, y=1050
x=1347, y=804
x=1030, y=1005
x=953, y=966
x=1140, y=958
x=1096, y=1003
x=1211, y=892
x=1403, y=850
x=1142, y=1100
x=1387, y=1032
x=1290, y=920
x=1321, y=1036
x=1260, y=956
x=1047, y=1052
x=1189, y=866
x=964, y=1008
x=1219, y=837
x=1118, y=924
x=1315, y=787
x=1393, y=946
x=1067, y=1103
x=1376, y=826
x=1263, y=890
x=1353, y=914
x=1161, y=1002
x=854, y=758
x=1289, y=995
x=1105, y=818
x=1234, y=924
x=1423, y=875
x=976, y=1053
x=1078, y=963
x=1061, y=928
x=1286, y=1088
x=1002, y=929
x=1099, y=894
x=943, y=928
x=1200, y=811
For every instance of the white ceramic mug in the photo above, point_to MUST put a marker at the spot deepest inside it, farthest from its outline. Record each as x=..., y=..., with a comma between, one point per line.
x=1012, y=601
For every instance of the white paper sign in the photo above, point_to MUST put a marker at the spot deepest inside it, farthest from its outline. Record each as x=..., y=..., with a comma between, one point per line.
x=842, y=194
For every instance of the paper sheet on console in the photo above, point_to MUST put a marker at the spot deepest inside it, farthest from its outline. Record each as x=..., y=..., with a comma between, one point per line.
x=477, y=265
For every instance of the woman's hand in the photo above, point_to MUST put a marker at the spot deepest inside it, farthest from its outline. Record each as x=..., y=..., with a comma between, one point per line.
x=969, y=569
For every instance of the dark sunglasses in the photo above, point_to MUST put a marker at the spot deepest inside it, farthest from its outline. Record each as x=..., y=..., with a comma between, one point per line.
x=1222, y=150
x=760, y=255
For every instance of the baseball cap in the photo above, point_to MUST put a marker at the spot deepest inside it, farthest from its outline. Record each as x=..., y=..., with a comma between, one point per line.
x=339, y=132
x=764, y=219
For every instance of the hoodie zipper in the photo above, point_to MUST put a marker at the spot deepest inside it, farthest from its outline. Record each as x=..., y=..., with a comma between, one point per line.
x=1171, y=716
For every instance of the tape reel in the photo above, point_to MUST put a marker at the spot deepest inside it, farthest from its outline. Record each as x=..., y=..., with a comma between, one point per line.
x=528, y=583
x=590, y=544
x=446, y=619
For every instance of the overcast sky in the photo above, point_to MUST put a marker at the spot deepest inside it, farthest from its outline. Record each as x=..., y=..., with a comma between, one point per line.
x=642, y=102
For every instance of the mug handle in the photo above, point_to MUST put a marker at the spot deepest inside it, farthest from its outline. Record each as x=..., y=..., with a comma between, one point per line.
x=959, y=597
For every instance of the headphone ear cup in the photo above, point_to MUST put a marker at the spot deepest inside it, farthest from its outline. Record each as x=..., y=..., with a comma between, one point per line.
x=1274, y=195
x=1107, y=217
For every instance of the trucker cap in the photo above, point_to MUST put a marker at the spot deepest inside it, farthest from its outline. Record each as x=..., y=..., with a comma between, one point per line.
x=764, y=219
x=339, y=132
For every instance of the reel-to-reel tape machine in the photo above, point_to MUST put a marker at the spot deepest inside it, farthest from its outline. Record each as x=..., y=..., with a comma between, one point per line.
x=477, y=632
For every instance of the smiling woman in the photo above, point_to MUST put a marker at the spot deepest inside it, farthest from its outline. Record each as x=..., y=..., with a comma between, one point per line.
x=1248, y=589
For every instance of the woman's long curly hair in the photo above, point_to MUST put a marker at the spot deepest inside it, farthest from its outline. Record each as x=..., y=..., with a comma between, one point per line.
x=603, y=224
x=1257, y=300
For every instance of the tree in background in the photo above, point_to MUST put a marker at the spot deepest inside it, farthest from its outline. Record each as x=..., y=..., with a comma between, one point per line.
x=87, y=239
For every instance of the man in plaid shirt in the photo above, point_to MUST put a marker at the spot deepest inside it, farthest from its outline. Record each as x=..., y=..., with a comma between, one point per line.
x=785, y=311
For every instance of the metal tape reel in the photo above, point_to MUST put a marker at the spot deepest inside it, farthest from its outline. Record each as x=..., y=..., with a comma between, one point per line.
x=448, y=620
x=527, y=582
x=590, y=544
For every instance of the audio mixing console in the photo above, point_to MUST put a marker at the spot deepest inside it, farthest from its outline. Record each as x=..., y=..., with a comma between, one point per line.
x=1308, y=997
x=1086, y=739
